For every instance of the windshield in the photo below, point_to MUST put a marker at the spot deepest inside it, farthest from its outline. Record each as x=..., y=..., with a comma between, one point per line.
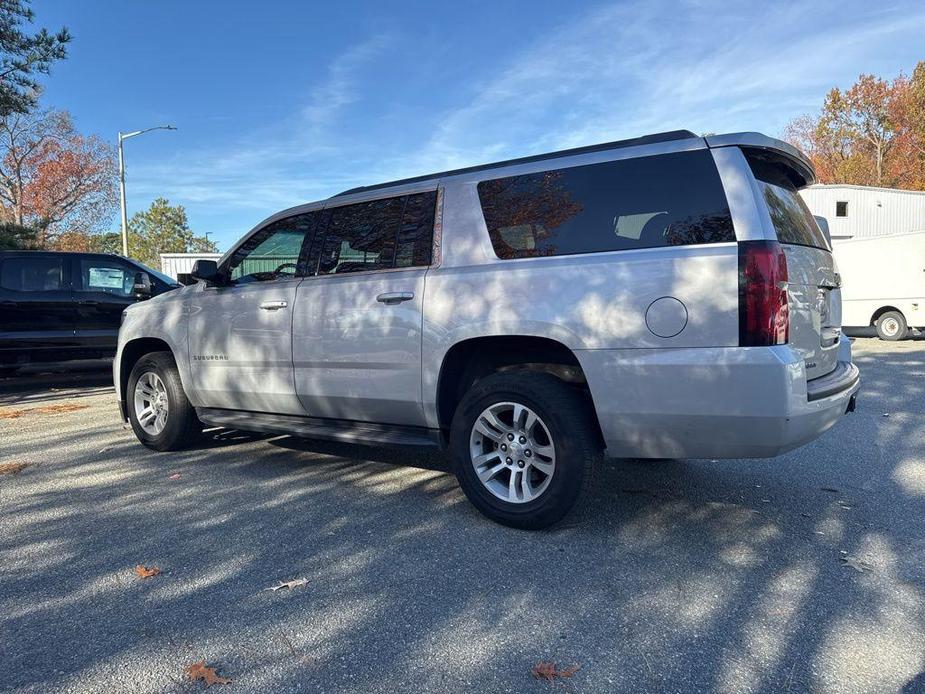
x=166, y=279
x=792, y=220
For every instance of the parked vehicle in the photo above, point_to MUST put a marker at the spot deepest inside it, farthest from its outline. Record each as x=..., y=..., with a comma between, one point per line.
x=57, y=306
x=668, y=296
x=883, y=281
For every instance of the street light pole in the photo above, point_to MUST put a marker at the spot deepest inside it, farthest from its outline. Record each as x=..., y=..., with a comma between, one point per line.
x=125, y=136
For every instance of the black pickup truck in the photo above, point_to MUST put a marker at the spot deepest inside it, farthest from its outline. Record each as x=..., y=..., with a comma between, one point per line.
x=57, y=306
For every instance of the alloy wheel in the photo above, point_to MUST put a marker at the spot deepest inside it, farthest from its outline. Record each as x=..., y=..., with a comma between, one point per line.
x=151, y=403
x=512, y=452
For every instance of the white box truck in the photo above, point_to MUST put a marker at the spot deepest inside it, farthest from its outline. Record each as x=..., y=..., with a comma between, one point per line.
x=883, y=283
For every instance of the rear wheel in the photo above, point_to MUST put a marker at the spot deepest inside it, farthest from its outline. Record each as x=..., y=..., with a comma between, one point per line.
x=523, y=448
x=159, y=411
x=892, y=326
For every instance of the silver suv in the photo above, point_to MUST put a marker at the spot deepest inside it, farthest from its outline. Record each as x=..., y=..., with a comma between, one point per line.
x=667, y=296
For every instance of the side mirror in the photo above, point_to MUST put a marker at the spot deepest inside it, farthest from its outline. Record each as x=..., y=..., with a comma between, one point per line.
x=205, y=270
x=142, y=287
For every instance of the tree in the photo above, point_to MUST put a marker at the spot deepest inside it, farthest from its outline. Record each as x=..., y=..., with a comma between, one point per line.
x=870, y=134
x=14, y=237
x=163, y=228
x=52, y=178
x=22, y=57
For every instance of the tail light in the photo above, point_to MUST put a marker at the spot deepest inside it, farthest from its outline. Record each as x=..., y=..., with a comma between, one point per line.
x=764, y=317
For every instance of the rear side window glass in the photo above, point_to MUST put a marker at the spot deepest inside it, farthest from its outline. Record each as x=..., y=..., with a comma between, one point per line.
x=792, y=220
x=650, y=202
x=379, y=234
x=32, y=274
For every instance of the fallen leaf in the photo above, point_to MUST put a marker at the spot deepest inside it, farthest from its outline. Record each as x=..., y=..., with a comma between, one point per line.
x=143, y=571
x=175, y=476
x=104, y=449
x=55, y=409
x=856, y=563
x=12, y=468
x=548, y=671
x=294, y=583
x=45, y=409
x=200, y=671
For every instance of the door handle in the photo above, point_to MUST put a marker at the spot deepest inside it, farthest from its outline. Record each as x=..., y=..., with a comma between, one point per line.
x=394, y=297
x=273, y=305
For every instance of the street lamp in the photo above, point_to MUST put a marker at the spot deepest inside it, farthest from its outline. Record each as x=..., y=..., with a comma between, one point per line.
x=125, y=136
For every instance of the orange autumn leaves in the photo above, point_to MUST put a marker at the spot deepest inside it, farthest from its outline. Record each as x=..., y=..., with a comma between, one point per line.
x=200, y=671
x=143, y=571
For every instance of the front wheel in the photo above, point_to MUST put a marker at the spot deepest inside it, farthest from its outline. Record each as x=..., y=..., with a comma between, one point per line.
x=892, y=326
x=523, y=448
x=158, y=409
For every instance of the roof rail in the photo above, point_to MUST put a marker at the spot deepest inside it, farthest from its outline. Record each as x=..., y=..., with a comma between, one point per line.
x=633, y=142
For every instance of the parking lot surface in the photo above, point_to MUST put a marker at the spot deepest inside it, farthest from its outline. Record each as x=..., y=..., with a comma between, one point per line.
x=801, y=573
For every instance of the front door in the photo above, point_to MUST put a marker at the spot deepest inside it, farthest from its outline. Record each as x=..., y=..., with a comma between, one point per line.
x=357, y=325
x=240, y=340
x=103, y=290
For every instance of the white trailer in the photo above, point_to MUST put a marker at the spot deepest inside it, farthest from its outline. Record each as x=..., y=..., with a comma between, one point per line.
x=856, y=212
x=883, y=283
x=177, y=264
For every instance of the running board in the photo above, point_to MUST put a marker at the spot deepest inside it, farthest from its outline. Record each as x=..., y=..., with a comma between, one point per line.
x=318, y=428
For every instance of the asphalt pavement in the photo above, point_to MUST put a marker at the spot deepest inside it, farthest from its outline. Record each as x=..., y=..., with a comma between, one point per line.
x=801, y=573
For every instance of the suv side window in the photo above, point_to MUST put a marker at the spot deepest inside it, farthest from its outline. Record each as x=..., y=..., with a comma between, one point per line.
x=32, y=274
x=274, y=252
x=106, y=275
x=379, y=234
x=647, y=202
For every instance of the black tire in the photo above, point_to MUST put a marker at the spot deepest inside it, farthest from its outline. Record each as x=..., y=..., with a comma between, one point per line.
x=567, y=415
x=892, y=326
x=182, y=427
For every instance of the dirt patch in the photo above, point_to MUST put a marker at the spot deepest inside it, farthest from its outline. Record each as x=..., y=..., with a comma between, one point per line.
x=12, y=468
x=44, y=409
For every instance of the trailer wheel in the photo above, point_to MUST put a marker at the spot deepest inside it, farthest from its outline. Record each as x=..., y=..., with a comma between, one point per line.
x=891, y=326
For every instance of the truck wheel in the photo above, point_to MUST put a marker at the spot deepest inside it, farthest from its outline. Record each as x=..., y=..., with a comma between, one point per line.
x=891, y=326
x=523, y=447
x=161, y=415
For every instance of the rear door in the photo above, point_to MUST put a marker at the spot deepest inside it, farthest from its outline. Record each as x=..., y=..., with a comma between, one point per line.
x=356, y=333
x=36, y=304
x=814, y=296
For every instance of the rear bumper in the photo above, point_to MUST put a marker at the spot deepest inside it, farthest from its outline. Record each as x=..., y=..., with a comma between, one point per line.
x=733, y=402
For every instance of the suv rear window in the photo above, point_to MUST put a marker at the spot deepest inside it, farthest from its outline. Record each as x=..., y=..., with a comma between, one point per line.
x=792, y=220
x=649, y=202
x=32, y=273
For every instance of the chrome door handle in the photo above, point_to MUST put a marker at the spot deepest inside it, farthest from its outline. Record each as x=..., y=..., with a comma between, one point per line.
x=273, y=305
x=394, y=297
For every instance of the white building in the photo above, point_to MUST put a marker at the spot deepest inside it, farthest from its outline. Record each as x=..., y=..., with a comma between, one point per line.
x=176, y=264
x=862, y=212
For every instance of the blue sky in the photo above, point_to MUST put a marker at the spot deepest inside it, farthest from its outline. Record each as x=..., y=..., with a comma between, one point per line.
x=282, y=103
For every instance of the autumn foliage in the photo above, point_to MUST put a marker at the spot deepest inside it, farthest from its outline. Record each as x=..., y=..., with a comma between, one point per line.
x=871, y=134
x=54, y=179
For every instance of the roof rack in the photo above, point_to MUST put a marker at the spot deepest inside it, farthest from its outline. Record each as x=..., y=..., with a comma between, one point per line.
x=633, y=142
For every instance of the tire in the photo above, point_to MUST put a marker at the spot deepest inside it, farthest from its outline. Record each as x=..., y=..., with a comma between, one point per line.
x=562, y=412
x=892, y=326
x=180, y=426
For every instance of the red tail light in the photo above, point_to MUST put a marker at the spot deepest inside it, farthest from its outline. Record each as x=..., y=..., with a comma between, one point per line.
x=764, y=317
